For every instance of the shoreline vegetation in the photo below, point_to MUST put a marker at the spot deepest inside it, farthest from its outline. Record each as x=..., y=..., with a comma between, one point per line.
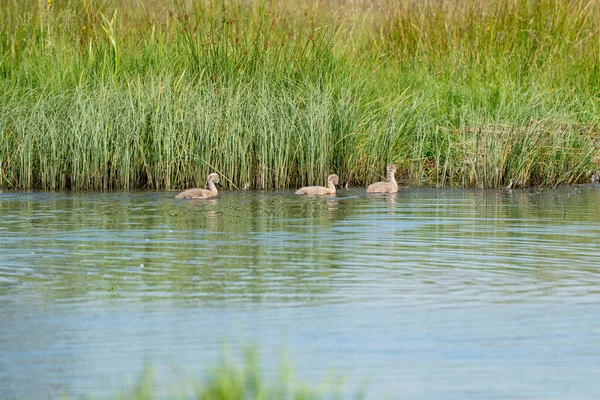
x=103, y=95
x=239, y=379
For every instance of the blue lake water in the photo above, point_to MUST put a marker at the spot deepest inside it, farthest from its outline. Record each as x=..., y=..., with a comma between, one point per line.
x=426, y=294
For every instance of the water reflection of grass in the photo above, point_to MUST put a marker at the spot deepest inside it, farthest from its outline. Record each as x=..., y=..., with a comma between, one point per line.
x=248, y=246
x=275, y=247
x=128, y=94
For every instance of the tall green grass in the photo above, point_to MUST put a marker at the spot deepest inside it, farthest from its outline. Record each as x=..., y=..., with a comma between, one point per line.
x=274, y=94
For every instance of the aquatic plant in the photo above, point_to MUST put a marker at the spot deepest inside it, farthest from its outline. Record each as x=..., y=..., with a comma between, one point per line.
x=231, y=380
x=117, y=95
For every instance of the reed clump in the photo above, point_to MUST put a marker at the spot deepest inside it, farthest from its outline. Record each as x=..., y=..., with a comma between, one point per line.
x=240, y=380
x=129, y=94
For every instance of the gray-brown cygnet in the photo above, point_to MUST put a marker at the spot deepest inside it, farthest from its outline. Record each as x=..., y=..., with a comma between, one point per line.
x=208, y=193
x=332, y=180
x=389, y=186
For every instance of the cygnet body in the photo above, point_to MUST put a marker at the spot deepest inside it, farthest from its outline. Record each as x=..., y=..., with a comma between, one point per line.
x=389, y=186
x=208, y=193
x=332, y=180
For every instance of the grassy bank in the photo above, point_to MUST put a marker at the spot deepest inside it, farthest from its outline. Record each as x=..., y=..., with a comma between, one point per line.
x=275, y=94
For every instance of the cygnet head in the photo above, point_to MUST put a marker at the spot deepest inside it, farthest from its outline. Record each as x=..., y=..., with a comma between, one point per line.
x=391, y=169
x=333, y=178
x=214, y=178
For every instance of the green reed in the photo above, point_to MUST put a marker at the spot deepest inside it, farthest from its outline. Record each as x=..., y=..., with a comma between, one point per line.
x=109, y=95
x=235, y=378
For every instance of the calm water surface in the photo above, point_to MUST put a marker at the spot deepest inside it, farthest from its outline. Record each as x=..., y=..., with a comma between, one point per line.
x=428, y=294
